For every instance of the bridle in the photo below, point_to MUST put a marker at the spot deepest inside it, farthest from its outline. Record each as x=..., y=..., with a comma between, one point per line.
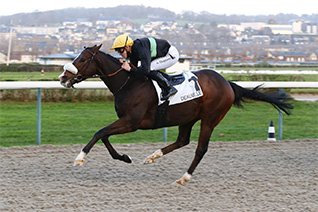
x=79, y=77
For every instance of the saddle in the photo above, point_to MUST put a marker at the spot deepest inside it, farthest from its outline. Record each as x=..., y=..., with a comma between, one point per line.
x=174, y=79
x=188, y=89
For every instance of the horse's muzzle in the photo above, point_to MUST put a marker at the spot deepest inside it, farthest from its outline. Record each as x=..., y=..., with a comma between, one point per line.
x=65, y=82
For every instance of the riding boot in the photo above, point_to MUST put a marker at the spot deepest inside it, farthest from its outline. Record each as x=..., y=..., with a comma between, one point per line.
x=165, y=85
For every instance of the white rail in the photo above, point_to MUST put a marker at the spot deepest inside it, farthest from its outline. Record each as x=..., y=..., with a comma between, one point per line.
x=101, y=85
x=50, y=85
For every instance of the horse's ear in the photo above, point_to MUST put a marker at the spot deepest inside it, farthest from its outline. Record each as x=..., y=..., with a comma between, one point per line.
x=96, y=48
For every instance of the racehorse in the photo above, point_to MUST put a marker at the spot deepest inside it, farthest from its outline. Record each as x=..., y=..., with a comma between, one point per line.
x=136, y=104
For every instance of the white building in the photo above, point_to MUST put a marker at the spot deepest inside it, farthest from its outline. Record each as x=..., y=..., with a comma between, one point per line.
x=312, y=29
x=37, y=30
x=296, y=26
x=109, y=21
x=282, y=29
x=73, y=24
x=232, y=27
x=182, y=65
x=253, y=25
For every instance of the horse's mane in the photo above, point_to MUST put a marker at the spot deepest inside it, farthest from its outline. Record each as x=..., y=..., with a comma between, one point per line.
x=112, y=58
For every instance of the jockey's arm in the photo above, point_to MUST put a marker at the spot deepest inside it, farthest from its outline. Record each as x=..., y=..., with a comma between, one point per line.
x=145, y=61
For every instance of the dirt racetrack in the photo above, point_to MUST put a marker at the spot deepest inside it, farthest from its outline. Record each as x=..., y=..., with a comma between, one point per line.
x=233, y=176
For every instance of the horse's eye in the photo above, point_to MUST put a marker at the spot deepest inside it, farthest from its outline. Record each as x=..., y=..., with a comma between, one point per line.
x=82, y=60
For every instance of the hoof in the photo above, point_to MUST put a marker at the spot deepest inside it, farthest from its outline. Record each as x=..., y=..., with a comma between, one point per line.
x=149, y=160
x=78, y=162
x=178, y=182
x=127, y=158
x=155, y=155
x=185, y=178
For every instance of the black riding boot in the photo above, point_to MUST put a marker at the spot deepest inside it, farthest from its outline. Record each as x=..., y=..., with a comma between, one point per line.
x=166, y=87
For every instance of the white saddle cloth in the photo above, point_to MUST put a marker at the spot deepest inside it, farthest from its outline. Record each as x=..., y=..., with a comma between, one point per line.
x=189, y=89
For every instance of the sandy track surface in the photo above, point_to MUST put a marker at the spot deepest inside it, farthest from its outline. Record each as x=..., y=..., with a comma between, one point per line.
x=233, y=176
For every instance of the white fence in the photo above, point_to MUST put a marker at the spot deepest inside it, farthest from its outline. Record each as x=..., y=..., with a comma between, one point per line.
x=100, y=85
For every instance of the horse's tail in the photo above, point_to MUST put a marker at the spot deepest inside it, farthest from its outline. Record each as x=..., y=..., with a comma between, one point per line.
x=278, y=99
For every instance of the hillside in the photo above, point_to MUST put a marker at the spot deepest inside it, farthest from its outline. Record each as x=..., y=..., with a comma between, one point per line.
x=56, y=17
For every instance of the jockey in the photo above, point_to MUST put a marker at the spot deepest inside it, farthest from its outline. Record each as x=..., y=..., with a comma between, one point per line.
x=153, y=54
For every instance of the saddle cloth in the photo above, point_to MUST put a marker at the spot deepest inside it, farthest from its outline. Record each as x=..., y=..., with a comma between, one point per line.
x=189, y=89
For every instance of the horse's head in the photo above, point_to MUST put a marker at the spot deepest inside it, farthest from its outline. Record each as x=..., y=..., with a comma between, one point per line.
x=81, y=68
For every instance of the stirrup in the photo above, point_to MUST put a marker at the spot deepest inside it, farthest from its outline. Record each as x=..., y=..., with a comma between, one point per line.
x=172, y=91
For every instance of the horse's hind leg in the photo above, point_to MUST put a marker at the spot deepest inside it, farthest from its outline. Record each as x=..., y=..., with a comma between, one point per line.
x=202, y=148
x=114, y=153
x=182, y=140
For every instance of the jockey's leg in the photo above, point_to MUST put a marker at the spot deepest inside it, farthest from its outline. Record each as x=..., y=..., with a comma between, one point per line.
x=166, y=86
x=161, y=63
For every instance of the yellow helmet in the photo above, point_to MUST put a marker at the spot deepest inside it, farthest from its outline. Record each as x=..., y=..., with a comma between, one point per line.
x=122, y=41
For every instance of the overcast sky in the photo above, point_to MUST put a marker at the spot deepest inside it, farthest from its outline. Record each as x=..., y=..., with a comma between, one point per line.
x=228, y=7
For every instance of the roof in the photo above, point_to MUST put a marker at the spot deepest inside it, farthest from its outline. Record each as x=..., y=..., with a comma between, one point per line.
x=293, y=53
x=59, y=56
x=112, y=19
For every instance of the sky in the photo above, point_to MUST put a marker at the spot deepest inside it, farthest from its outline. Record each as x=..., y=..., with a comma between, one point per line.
x=227, y=7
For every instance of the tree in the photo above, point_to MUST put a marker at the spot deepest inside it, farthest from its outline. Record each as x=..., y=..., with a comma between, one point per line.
x=266, y=31
x=272, y=21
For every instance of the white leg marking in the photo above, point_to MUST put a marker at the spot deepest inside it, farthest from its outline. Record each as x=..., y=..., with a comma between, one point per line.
x=79, y=160
x=155, y=155
x=185, y=178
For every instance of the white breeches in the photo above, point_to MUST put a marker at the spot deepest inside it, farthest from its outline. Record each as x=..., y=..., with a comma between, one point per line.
x=167, y=61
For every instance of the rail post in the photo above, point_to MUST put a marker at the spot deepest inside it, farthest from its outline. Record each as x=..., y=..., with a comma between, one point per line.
x=165, y=133
x=280, y=121
x=38, y=125
x=280, y=125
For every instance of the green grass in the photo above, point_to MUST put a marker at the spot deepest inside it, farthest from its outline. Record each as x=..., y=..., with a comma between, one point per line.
x=270, y=77
x=30, y=76
x=53, y=76
x=313, y=68
x=76, y=123
x=25, y=76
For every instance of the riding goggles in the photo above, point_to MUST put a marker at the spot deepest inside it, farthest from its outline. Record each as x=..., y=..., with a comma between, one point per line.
x=120, y=50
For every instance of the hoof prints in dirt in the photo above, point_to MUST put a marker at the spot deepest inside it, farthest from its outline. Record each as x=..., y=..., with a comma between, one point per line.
x=233, y=176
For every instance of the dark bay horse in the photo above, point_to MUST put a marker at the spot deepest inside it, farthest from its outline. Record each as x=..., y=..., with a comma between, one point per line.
x=136, y=105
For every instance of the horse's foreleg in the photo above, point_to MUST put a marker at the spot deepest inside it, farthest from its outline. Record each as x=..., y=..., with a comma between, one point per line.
x=202, y=148
x=182, y=140
x=118, y=127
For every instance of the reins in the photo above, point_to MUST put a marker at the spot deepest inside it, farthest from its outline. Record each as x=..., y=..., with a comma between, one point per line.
x=80, y=77
x=111, y=74
x=116, y=72
x=107, y=75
